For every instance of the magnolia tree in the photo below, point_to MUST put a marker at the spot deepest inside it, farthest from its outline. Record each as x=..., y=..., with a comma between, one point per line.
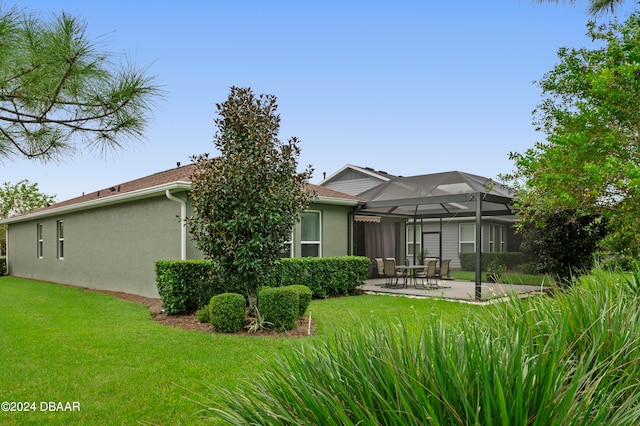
x=247, y=200
x=20, y=198
x=59, y=92
x=589, y=165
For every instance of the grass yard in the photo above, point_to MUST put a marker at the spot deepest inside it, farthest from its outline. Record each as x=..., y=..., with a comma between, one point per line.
x=506, y=278
x=63, y=344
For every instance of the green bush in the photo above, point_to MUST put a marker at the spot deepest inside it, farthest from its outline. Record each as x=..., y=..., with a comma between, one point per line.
x=620, y=262
x=325, y=276
x=184, y=286
x=304, y=297
x=187, y=285
x=203, y=314
x=527, y=268
x=3, y=265
x=509, y=259
x=279, y=306
x=227, y=312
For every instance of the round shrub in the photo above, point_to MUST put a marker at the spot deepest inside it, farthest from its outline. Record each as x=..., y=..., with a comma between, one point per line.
x=304, y=297
x=227, y=312
x=279, y=306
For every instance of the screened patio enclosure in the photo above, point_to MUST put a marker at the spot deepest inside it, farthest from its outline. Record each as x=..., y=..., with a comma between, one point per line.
x=437, y=196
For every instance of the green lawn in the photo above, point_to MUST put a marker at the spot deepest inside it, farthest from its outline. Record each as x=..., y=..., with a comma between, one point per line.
x=63, y=344
x=506, y=278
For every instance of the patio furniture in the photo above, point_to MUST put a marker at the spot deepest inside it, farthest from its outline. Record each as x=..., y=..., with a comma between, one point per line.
x=390, y=272
x=409, y=272
x=380, y=265
x=428, y=273
x=444, y=269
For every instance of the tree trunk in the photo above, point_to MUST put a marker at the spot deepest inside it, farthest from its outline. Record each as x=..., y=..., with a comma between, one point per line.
x=253, y=301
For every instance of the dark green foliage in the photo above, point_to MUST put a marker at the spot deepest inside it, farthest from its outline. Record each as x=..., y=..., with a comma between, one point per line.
x=565, y=243
x=184, y=286
x=509, y=259
x=247, y=200
x=304, y=297
x=325, y=276
x=620, y=262
x=203, y=314
x=227, y=312
x=279, y=306
x=3, y=265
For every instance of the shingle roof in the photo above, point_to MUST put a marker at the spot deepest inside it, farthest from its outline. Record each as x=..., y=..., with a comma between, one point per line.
x=176, y=175
x=179, y=174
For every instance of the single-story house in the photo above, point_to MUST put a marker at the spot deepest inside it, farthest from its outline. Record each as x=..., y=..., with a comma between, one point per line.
x=109, y=239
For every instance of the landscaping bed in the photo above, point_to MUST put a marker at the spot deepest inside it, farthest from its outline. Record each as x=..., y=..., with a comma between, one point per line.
x=190, y=322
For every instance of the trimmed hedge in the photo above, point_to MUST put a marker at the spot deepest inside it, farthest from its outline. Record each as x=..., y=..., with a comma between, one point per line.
x=187, y=285
x=510, y=259
x=184, y=285
x=227, y=312
x=325, y=276
x=279, y=306
x=3, y=265
x=304, y=297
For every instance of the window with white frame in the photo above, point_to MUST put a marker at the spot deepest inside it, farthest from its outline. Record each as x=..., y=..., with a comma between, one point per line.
x=40, y=241
x=310, y=239
x=467, y=237
x=60, y=227
x=287, y=247
x=414, y=246
x=496, y=238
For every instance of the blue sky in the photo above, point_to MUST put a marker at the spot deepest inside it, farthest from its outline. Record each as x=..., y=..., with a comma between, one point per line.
x=408, y=87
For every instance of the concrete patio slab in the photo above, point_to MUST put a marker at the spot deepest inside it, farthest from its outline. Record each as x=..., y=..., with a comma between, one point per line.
x=452, y=290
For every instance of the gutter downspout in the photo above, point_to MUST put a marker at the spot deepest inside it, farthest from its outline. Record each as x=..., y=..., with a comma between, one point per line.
x=6, y=250
x=183, y=229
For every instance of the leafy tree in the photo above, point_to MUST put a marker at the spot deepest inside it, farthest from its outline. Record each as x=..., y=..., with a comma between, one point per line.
x=563, y=244
x=59, y=91
x=596, y=7
x=247, y=200
x=590, y=164
x=19, y=198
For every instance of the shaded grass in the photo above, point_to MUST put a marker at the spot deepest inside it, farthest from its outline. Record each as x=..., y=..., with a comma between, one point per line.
x=62, y=344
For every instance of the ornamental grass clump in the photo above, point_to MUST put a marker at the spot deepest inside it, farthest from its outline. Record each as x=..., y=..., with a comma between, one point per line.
x=567, y=360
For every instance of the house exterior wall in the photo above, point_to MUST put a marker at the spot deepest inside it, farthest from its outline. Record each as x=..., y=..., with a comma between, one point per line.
x=335, y=229
x=352, y=182
x=114, y=247
x=110, y=248
x=451, y=237
x=355, y=186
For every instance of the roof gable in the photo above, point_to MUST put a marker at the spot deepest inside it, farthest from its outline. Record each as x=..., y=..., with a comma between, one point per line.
x=349, y=172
